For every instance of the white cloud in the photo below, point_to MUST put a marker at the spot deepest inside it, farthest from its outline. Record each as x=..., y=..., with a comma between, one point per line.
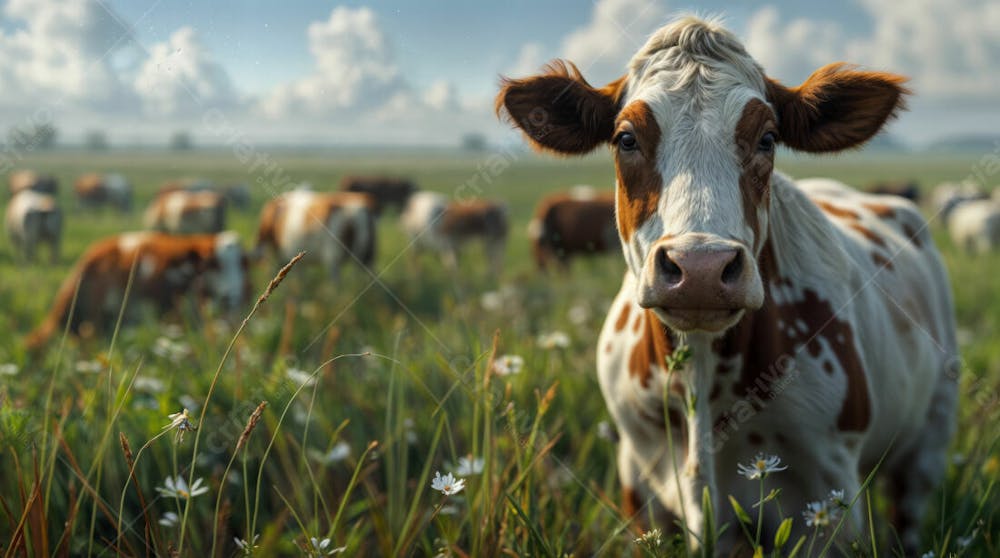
x=529, y=60
x=354, y=69
x=181, y=78
x=617, y=29
x=790, y=51
x=61, y=52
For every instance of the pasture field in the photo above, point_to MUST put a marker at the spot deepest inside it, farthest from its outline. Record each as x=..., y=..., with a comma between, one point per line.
x=346, y=450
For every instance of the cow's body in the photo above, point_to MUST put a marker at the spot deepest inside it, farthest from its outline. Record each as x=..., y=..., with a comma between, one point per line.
x=974, y=225
x=908, y=189
x=388, y=192
x=166, y=268
x=97, y=190
x=184, y=212
x=330, y=227
x=434, y=223
x=31, y=180
x=236, y=195
x=949, y=195
x=32, y=219
x=819, y=319
x=566, y=224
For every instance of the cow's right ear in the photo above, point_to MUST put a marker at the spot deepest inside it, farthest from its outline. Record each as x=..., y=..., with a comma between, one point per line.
x=559, y=111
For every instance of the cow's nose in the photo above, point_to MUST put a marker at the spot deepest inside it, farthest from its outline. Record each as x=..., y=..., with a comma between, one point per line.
x=684, y=278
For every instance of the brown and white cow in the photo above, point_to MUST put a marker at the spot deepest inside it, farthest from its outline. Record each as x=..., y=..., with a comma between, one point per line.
x=434, y=223
x=31, y=180
x=819, y=319
x=330, y=227
x=33, y=218
x=167, y=268
x=184, y=212
x=581, y=221
x=388, y=192
x=97, y=190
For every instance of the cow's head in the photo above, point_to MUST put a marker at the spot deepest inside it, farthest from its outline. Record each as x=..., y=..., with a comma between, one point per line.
x=693, y=128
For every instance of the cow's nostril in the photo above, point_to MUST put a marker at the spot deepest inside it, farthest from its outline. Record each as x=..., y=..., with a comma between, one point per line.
x=672, y=274
x=731, y=273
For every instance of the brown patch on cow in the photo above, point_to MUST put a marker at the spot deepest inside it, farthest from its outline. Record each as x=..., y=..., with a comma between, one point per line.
x=755, y=438
x=631, y=504
x=608, y=347
x=653, y=347
x=638, y=323
x=912, y=235
x=836, y=211
x=763, y=347
x=483, y=218
x=882, y=261
x=836, y=108
x=881, y=210
x=756, y=166
x=868, y=233
x=639, y=181
x=623, y=317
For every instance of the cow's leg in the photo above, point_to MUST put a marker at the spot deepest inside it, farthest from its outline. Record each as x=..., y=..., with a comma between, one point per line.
x=917, y=472
x=639, y=502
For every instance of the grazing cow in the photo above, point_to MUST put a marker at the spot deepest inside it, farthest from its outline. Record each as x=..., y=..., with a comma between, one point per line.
x=948, y=195
x=183, y=212
x=974, y=225
x=95, y=190
x=31, y=180
x=166, y=268
x=33, y=218
x=581, y=221
x=329, y=227
x=236, y=195
x=387, y=192
x=908, y=189
x=435, y=224
x=817, y=320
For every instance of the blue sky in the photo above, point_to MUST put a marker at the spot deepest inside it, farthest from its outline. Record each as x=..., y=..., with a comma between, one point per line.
x=425, y=72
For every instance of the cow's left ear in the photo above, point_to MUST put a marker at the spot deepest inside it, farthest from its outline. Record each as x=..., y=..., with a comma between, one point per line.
x=559, y=111
x=837, y=108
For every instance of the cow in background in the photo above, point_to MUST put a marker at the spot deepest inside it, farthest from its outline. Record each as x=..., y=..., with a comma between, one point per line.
x=183, y=212
x=95, y=190
x=330, y=227
x=434, y=223
x=33, y=218
x=31, y=180
x=578, y=222
x=908, y=189
x=949, y=195
x=388, y=192
x=236, y=195
x=164, y=269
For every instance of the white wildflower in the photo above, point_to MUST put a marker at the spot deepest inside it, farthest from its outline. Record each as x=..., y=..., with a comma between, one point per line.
x=761, y=466
x=321, y=547
x=169, y=349
x=339, y=452
x=181, y=422
x=554, y=340
x=491, y=301
x=169, y=519
x=300, y=377
x=819, y=514
x=837, y=499
x=506, y=365
x=9, y=369
x=578, y=314
x=468, y=465
x=149, y=384
x=89, y=367
x=447, y=484
x=176, y=487
x=246, y=547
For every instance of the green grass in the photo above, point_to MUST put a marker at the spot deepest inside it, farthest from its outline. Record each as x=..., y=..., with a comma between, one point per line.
x=421, y=400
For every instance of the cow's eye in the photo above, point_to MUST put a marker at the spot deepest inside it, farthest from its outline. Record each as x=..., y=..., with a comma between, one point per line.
x=766, y=142
x=627, y=142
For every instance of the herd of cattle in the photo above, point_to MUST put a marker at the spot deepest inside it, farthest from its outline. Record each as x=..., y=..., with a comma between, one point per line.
x=187, y=249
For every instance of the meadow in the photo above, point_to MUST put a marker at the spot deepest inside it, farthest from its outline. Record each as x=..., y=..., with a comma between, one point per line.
x=375, y=383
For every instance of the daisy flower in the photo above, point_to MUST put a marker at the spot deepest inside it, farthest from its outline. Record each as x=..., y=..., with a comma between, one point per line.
x=837, y=499
x=447, y=484
x=819, y=514
x=169, y=519
x=508, y=364
x=320, y=547
x=554, y=340
x=246, y=547
x=176, y=487
x=468, y=465
x=761, y=466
